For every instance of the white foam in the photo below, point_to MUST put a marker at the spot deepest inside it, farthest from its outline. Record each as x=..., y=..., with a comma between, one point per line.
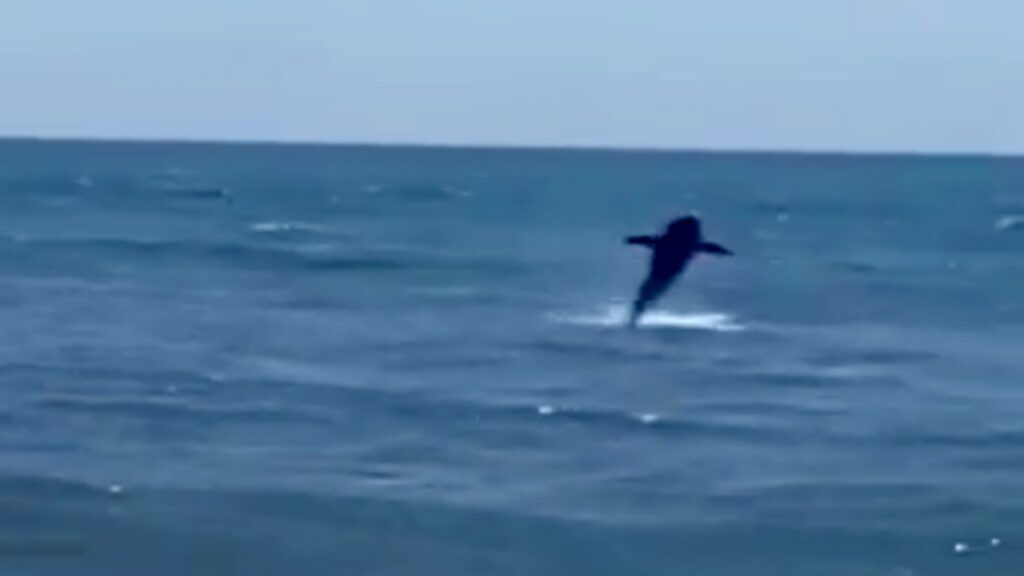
x=961, y=548
x=617, y=315
x=1013, y=222
x=545, y=410
x=649, y=419
x=284, y=227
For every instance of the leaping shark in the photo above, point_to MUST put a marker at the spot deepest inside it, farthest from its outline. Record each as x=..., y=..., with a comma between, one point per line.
x=671, y=252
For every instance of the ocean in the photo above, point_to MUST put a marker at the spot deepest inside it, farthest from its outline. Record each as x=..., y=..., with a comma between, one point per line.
x=270, y=359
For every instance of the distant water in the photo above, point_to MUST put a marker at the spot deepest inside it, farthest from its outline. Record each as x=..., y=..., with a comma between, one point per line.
x=322, y=360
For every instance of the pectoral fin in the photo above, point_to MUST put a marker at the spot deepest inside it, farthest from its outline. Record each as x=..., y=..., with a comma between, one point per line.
x=648, y=241
x=716, y=249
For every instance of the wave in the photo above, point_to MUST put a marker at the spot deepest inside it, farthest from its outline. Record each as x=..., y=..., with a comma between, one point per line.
x=1010, y=223
x=456, y=291
x=251, y=528
x=613, y=421
x=198, y=192
x=322, y=257
x=181, y=182
x=267, y=399
x=152, y=409
x=416, y=192
x=617, y=315
x=598, y=349
x=230, y=252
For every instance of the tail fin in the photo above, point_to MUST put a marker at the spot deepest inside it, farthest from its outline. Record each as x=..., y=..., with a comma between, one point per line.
x=639, y=306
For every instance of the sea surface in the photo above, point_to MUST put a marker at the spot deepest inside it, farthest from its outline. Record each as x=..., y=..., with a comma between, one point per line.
x=306, y=360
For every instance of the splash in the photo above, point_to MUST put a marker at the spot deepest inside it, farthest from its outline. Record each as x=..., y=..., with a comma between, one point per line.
x=616, y=315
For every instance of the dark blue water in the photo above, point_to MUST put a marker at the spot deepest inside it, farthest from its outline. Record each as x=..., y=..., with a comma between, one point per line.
x=325, y=360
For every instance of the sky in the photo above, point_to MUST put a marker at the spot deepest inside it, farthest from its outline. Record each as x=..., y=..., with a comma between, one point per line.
x=854, y=75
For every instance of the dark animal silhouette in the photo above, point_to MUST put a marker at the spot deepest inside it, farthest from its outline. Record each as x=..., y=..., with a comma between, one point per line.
x=671, y=253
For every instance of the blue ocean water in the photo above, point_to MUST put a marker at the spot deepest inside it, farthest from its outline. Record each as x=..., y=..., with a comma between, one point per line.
x=313, y=360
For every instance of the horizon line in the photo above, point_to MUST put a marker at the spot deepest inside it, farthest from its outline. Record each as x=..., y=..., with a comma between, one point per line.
x=568, y=147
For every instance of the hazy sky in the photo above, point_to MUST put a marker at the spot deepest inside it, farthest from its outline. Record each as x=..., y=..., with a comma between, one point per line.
x=926, y=75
